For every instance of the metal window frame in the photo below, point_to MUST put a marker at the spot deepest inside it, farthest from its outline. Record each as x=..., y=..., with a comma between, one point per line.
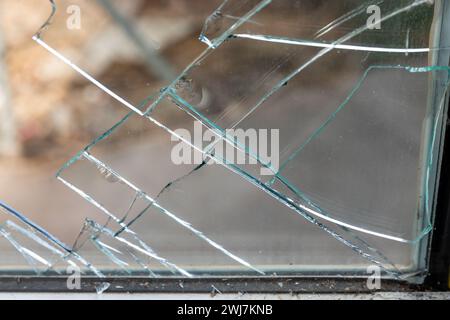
x=433, y=254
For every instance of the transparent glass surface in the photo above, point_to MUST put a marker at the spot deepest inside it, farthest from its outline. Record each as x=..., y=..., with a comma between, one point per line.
x=346, y=97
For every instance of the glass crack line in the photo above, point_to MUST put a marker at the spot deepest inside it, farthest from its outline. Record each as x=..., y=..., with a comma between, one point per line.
x=214, y=43
x=48, y=22
x=317, y=44
x=29, y=255
x=301, y=209
x=197, y=115
x=86, y=75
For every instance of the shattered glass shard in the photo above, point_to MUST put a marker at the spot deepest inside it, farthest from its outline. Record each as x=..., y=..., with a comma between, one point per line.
x=40, y=249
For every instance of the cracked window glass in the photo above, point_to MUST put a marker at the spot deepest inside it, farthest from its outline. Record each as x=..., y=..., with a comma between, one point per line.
x=257, y=138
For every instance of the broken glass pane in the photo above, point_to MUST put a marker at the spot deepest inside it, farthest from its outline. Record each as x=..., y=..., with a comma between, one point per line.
x=347, y=179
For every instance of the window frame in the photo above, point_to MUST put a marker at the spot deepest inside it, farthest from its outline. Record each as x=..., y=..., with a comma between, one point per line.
x=433, y=253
